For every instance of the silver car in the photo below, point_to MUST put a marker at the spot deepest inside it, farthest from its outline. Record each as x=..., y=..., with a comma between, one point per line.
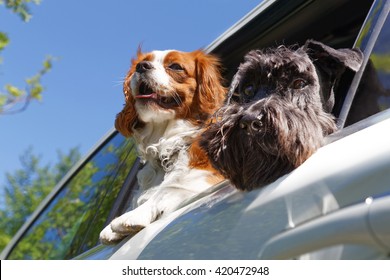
x=334, y=206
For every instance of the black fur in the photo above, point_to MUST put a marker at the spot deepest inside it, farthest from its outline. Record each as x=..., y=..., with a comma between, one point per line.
x=286, y=96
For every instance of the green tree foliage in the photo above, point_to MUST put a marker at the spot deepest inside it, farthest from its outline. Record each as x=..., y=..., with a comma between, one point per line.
x=15, y=99
x=27, y=187
x=20, y=7
x=73, y=219
x=381, y=62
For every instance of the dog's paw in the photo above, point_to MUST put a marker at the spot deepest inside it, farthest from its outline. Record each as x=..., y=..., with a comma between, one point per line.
x=130, y=223
x=108, y=237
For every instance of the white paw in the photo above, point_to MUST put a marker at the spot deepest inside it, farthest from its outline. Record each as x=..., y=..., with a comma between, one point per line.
x=127, y=224
x=130, y=223
x=107, y=236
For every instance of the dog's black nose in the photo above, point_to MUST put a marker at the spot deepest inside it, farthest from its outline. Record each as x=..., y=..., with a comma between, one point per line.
x=143, y=66
x=250, y=124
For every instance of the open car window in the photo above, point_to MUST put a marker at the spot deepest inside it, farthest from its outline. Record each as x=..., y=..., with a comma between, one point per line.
x=373, y=93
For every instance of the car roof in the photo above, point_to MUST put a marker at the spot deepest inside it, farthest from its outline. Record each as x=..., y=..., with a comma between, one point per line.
x=295, y=22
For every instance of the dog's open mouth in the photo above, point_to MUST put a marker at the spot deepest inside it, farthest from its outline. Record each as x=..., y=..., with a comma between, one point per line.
x=147, y=94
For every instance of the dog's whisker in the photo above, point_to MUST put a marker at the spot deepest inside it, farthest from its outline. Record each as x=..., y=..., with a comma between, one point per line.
x=177, y=98
x=118, y=83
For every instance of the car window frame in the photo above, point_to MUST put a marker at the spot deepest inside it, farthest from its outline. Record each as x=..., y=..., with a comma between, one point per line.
x=378, y=21
x=124, y=196
x=343, y=130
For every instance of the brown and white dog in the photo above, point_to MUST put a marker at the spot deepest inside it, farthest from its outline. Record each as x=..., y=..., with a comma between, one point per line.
x=169, y=97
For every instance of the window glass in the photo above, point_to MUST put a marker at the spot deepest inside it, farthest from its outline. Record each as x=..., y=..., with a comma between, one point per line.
x=373, y=93
x=74, y=218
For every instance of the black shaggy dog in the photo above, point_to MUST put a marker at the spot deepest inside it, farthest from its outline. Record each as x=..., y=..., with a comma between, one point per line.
x=284, y=113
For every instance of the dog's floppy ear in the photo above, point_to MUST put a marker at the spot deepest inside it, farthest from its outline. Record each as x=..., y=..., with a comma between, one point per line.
x=127, y=119
x=332, y=59
x=210, y=91
x=331, y=64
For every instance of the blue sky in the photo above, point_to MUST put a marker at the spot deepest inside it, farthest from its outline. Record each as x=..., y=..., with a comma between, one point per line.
x=94, y=42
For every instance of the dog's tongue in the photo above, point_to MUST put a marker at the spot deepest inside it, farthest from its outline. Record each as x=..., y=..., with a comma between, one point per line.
x=147, y=96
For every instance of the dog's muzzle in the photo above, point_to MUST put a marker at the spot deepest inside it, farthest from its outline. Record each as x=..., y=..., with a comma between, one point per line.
x=251, y=124
x=143, y=67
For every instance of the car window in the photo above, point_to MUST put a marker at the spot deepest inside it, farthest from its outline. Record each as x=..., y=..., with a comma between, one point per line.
x=373, y=94
x=72, y=221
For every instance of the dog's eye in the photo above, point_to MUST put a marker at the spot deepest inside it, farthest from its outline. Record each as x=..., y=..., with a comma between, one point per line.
x=298, y=84
x=175, y=67
x=249, y=90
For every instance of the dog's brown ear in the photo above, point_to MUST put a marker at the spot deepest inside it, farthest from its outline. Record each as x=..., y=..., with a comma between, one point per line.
x=126, y=119
x=210, y=91
x=333, y=59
